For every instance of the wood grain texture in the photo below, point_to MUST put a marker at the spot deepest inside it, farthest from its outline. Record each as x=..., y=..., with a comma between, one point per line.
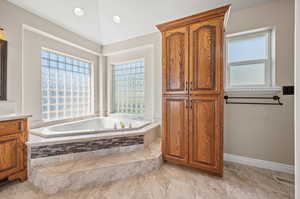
x=193, y=136
x=205, y=133
x=11, y=127
x=175, y=63
x=8, y=146
x=11, y=160
x=203, y=16
x=13, y=150
x=206, y=49
x=204, y=44
x=175, y=126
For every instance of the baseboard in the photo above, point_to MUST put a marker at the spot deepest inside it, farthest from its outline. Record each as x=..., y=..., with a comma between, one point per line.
x=260, y=163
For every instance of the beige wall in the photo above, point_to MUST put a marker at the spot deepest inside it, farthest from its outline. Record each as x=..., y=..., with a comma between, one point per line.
x=12, y=18
x=297, y=80
x=265, y=132
x=261, y=132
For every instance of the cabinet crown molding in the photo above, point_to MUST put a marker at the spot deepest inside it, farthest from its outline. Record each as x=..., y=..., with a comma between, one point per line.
x=203, y=16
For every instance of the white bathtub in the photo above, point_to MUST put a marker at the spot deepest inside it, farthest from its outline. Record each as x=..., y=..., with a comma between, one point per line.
x=89, y=126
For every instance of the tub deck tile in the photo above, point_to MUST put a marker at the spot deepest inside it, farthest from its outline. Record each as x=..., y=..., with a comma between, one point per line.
x=85, y=146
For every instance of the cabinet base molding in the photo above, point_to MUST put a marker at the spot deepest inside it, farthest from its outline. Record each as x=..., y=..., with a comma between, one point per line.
x=22, y=176
x=172, y=161
x=264, y=164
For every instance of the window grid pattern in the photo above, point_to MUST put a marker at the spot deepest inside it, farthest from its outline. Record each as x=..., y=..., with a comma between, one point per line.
x=249, y=60
x=66, y=86
x=128, y=88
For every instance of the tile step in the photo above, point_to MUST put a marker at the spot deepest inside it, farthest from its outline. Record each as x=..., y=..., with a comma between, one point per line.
x=77, y=174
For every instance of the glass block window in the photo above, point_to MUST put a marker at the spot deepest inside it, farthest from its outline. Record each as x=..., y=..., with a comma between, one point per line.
x=249, y=61
x=66, y=86
x=128, y=88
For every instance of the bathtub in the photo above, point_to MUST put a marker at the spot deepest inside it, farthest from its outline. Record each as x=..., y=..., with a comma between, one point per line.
x=90, y=126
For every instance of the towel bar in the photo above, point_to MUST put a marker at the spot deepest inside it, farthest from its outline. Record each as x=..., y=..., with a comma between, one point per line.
x=275, y=98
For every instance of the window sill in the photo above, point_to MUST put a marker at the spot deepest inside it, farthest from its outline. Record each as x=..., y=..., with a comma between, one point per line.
x=263, y=90
x=127, y=116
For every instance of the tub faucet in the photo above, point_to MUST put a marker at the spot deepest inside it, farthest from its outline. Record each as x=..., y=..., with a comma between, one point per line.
x=122, y=125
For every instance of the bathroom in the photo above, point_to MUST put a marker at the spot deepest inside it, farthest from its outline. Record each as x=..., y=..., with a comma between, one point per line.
x=86, y=86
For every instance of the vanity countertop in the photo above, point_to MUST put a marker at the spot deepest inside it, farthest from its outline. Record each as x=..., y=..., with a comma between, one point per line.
x=13, y=117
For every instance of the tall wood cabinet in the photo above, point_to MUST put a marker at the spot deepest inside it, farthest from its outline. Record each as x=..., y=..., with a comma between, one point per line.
x=193, y=90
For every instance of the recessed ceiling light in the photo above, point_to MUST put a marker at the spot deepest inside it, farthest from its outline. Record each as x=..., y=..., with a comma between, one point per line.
x=116, y=19
x=78, y=12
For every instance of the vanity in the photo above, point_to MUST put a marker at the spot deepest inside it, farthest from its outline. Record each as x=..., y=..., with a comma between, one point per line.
x=13, y=150
x=13, y=128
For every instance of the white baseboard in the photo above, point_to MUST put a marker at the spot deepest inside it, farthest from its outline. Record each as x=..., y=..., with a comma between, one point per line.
x=260, y=163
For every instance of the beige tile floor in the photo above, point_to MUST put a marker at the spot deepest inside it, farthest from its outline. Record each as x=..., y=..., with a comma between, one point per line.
x=174, y=182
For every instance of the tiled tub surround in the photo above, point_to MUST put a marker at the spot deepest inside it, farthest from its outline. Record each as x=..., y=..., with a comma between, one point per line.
x=85, y=146
x=74, y=162
x=77, y=174
x=50, y=151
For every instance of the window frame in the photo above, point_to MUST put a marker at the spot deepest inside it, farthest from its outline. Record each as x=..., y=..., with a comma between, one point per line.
x=110, y=92
x=270, y=64
x=91, y=94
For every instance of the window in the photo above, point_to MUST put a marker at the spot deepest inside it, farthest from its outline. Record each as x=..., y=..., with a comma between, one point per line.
x=249, y=60
x=66, y=86
x=128, y=88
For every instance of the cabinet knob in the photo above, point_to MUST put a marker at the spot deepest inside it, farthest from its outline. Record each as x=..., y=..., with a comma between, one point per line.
x=21, y=126
x=191, y=86
x=186, y=85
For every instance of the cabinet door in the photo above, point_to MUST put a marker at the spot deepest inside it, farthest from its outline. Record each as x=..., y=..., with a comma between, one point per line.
x=11, y=155
x=175, y=61
x=206, y=61
x=175, y=129
x=205, y=133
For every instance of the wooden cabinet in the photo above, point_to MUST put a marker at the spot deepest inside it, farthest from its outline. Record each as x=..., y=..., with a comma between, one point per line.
x=176, y=59
x=205, y=133
x=175, y=145
x=13, y=151
x=206, y=39
x=193, y=90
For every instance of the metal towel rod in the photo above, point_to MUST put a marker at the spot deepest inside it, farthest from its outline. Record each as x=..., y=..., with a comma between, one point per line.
x=275, y=98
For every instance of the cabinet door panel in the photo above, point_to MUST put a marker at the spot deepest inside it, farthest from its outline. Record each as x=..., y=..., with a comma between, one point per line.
x=11, y=127
x=206, y=139
x=206, y=67
x=11, y=160
x=175, y=61
x=175, y=125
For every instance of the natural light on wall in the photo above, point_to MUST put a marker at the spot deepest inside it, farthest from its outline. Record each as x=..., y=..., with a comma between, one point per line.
x=249, y=61
x=128, y=88
x=66, y=86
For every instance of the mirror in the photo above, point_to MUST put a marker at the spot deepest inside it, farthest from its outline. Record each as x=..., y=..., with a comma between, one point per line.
x=3, y=69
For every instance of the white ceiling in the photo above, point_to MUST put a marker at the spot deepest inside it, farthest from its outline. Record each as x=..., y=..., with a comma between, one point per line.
x=138, y=17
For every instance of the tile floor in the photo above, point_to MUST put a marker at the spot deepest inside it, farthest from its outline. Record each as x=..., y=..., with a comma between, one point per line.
x=174, y=182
